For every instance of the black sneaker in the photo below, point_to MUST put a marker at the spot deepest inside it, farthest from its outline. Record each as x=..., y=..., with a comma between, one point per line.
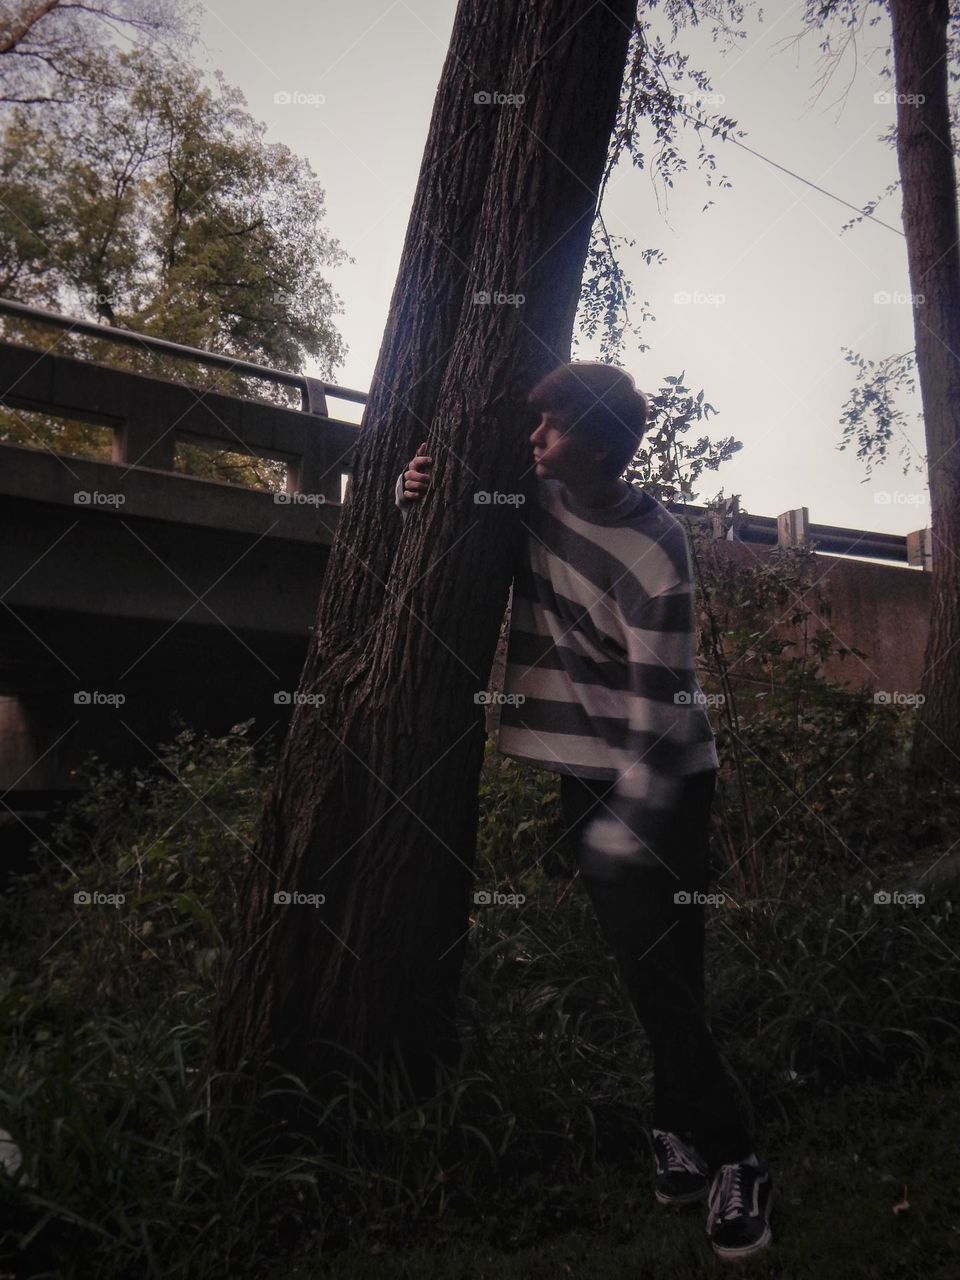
x=738, y=1210
x=681, y=1171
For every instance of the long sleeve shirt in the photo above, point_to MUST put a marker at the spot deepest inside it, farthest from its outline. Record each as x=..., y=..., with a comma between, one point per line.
x=600, y=675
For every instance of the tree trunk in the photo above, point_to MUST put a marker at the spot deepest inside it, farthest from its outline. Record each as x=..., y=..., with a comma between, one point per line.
x=925, y=154
x=374, y=801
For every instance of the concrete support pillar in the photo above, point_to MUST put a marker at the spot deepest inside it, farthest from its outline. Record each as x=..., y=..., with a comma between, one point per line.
x=793, y=527
x=920, y=548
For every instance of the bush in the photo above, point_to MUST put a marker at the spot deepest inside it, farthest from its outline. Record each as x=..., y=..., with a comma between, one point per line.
x=132, y=1167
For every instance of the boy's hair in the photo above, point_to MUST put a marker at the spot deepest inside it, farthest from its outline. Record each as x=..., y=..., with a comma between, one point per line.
x=599, y=401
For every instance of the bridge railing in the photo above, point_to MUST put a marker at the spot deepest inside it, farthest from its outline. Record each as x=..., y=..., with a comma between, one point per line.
x=148, y=415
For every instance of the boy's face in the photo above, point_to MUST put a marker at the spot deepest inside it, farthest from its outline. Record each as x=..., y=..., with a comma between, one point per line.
x=560, y=453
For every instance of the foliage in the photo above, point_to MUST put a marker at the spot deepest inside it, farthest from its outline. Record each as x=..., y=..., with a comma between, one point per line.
x=46, y=45
x=162, y=206
x=153, y=201
x=809, y=767
x=660, y=96
x=667, y=464
x=872, y=413
x=131, y=1165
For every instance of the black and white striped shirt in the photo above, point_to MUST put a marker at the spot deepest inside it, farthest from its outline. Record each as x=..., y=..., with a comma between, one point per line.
x=600, y=676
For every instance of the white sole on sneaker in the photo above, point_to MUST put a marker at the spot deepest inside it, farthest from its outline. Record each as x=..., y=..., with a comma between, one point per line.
x=734, y=1255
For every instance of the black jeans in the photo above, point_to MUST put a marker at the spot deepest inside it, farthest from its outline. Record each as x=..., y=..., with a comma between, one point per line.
x=659, y=947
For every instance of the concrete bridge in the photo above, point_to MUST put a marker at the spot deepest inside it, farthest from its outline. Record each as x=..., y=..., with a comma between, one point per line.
x=127, y=579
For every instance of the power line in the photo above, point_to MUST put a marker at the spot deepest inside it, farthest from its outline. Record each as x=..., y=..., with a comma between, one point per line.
x=798, y=176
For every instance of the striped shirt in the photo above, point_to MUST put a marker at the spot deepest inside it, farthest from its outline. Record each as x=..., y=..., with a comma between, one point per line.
x=600, y=679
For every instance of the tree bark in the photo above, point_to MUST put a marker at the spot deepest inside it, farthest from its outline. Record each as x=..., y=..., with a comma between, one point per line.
x=925, y=154
x=374, y=801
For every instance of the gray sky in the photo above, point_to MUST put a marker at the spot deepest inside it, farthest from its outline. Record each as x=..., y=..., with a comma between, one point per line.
x=784, y=289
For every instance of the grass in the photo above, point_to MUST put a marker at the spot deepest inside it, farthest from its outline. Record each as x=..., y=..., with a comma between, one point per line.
x=840, y=1018
x=840, y=1167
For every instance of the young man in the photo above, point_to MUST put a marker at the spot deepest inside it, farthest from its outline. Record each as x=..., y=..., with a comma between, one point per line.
x=602, y=647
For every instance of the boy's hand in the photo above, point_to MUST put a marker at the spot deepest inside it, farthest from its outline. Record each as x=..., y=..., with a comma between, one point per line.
x=416, y=478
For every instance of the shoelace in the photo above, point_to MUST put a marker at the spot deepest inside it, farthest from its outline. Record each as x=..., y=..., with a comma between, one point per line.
x=678, y=1158
x=727, y=1202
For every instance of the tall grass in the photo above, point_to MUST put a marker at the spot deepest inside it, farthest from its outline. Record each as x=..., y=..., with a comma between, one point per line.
x=131, y=1167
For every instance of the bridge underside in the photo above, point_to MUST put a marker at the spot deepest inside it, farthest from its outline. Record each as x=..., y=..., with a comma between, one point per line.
x=113, y=623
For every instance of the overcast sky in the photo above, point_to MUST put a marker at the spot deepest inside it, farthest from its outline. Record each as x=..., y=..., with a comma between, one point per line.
x=787, y=289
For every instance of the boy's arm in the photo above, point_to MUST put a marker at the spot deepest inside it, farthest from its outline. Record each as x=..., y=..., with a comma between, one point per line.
x=632, y=825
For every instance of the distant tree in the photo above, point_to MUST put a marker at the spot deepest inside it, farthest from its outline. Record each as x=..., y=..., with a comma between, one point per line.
x=152, y=201
x=923, y=38
x=45, y=45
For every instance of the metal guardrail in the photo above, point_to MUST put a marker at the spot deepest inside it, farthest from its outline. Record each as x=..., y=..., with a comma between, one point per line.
x=773, y=531
x=313, y=390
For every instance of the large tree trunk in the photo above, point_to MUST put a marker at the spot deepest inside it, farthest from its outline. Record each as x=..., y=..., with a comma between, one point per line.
x=925, y=153
x=374, y=801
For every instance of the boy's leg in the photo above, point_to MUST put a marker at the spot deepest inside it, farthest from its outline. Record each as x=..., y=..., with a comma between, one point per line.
x=658, y=945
